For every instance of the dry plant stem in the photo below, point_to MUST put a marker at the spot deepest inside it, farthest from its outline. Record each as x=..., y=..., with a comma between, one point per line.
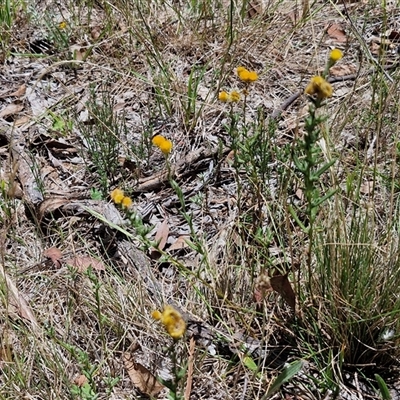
x=189, y=380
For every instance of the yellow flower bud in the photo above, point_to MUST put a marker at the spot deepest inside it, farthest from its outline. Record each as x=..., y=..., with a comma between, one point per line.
x=223, y=96
x=320, y=87
x=126, y=202
x=234, y=96
x=117, y=195
x=245, y=75
x=172, y=320
x=162, y=143
x=335, y=55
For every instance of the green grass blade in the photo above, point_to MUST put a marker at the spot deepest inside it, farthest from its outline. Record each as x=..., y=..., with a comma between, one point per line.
x=288, y=373
x=383, y=388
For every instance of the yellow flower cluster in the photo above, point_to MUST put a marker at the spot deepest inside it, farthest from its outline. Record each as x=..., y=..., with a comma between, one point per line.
x=319, y=87
x=172, y=320
x=246, y=75
x=335, y=55
x=162, y=143
x=232, y=97
x=118, y=197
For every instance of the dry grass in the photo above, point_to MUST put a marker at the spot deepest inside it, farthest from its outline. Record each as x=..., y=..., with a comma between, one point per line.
x=159, y=67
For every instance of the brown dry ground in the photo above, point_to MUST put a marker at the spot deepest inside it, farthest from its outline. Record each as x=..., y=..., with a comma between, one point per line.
x=142, y=60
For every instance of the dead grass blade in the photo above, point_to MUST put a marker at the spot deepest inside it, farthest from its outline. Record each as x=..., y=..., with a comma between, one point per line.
x=19, y=302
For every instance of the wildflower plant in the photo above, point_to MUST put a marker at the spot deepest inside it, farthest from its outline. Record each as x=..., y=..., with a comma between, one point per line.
x=102, y=137
x=175, y=326
x=125, y=202
x=248, y=77
x=307, y=155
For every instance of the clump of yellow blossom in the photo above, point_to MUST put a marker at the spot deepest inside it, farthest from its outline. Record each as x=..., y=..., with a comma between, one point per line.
x=235, y=96
x=118, y=197
x=246, y=75
x=172, y=320
x=224, y=96
x=335, y=55
x=162, y=143
x=62, y=25
x=232, y=97
x=126, y=202
x=319, y=87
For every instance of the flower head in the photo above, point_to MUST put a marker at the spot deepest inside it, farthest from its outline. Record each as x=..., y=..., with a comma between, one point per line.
x=335, y=55
x=126, y=202
x=162, y=143
x=320, y=87
x=117, y=195
x=62, y=25
x=245, y=75
x=172, y=320
x=232, y=97
x=235, y=96
x=224, y=97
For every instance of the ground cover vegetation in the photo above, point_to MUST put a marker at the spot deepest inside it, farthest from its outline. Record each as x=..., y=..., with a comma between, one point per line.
x=199, y=199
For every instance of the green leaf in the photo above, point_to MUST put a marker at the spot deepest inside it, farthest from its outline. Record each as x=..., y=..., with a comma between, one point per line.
x=250, y=364
x=383, y=388
x=324, y=168
x=288, y=373
x=95, y=194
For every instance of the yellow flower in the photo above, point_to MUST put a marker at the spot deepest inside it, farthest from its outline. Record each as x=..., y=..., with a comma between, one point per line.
x=234, y=96
x=126, y=202
x=172, y=320
x=224, y=97
x=335, y=55
x=320, y=87
x=62, y=25
x=245, y=75
x=156, y=315
x=157, y=140
x=117, y=195
x=162, y=143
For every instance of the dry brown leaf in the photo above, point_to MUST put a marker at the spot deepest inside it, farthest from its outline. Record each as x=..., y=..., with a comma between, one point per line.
x=180, y=243
x=95, y=32
x=375, y=48
x=254, y=8
x=337, y=33
x=79, y=53
x=54, y=254
x=162, y=235
x=11, y=109
x=367, y=187
x=281, y=284
x=20, y=91
x=259, y=296
x=84, y=262
x=22, y=121
x=342, y=70
x=17, y=300
x=261, y=288
x=141, y=377
x=49, y=205
x=80, y=380
x=300, y=194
